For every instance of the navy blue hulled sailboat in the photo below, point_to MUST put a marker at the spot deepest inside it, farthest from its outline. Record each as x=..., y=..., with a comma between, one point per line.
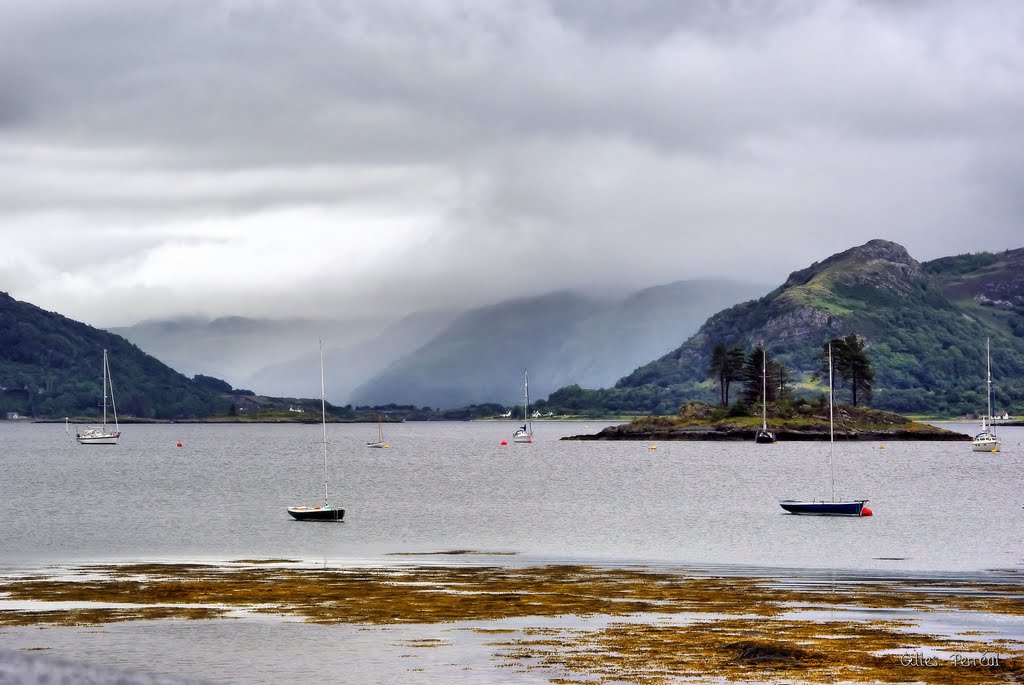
x=824, y=508
x=833, y=507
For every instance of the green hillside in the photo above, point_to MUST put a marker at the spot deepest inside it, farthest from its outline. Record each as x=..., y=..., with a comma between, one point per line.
x=51, y=366
x=924, y=325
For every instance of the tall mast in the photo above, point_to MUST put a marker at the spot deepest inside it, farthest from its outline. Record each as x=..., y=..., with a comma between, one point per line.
x=764, y=389
x=988, y=361
x=831, y=439
x=323, y=414
x=526, y=397
x=104, y=391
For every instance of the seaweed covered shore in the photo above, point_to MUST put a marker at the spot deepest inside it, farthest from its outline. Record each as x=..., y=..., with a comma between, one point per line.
x=657, y=626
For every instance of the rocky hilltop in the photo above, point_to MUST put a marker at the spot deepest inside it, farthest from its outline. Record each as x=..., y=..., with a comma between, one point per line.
x=924, y=327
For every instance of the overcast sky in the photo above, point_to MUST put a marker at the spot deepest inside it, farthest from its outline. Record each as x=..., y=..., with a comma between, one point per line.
x=336, y=158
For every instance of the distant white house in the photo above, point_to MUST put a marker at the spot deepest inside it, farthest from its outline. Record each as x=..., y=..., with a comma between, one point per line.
x=297, y=410
x=506, y=414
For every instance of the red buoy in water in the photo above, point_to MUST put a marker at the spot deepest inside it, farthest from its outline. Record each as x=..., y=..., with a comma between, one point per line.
x=504, y=442
x=865, y=512
x=179, y=444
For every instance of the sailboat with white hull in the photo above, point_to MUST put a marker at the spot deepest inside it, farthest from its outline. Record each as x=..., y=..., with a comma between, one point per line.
x=379, y=442
x=524, y=434
x=326, y=512
x=987, y=440
x=102, y=435
x=764, y=436
x=833, y=507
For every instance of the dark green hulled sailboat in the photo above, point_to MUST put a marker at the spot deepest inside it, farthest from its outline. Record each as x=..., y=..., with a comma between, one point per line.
x=326, y=512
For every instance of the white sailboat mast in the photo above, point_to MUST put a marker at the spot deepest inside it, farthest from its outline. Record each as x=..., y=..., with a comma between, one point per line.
x=764, y=389
x=105, y=367
x=323, y=415
x=526, y=399
x=831, y=438
x=988, y=374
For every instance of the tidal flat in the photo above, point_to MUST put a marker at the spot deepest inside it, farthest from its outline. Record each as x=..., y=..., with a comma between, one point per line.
x=580, y=623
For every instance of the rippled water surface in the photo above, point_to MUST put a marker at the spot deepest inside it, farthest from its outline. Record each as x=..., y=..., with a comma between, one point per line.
x=445, y=486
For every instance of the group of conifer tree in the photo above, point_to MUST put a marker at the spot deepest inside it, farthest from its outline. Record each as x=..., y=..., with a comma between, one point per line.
x=731, y=365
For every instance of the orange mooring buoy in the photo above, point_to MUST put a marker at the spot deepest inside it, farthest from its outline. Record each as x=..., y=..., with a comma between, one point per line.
x=865, y=512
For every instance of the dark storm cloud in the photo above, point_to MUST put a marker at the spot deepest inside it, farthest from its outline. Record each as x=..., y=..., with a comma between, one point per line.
x=526, y=145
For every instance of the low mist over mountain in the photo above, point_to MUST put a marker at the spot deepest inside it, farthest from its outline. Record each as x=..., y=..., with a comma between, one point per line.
x=925, y=327
x=347, y=366
x=235, y=348
x=560, y=338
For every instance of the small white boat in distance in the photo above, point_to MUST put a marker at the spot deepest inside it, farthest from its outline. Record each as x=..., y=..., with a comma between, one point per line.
x=379, y=442
x=525, y=432
x=101, y=435
x=987, y=440
x=763, y=436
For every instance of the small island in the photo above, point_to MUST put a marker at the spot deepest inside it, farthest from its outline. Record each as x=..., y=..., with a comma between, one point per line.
x=791, y=422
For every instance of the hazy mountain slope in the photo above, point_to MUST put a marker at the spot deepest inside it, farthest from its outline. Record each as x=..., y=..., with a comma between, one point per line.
x=51, y=366
x=348, y=365
x=927, y=351
x=480, y=357
x=645, y=325
x=561, y=338
x=236, y=348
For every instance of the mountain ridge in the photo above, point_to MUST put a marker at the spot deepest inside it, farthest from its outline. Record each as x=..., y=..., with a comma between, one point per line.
x=928, y=351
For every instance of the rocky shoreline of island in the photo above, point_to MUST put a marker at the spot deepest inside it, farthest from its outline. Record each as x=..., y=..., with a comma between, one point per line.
x=699, y=421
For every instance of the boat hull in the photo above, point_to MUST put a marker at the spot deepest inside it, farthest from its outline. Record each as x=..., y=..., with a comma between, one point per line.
x=824, y=508
x=764, y=437
x=986, y=443
x=376, y=444
x=522, y=439
x=316, y=513
x=107, y=439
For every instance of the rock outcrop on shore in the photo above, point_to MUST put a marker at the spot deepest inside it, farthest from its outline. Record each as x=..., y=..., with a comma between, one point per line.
x=696, y=422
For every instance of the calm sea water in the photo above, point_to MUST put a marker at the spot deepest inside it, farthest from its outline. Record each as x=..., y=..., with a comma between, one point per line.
x=939, y=509
x=442, y=486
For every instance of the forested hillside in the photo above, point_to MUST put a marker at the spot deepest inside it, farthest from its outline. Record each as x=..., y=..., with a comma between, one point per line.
x=51, y=366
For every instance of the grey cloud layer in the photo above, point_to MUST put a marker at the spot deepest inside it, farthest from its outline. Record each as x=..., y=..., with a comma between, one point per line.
x=533, y=144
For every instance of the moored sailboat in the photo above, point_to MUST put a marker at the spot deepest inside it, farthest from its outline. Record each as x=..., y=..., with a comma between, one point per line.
x=102, y=435
x=326, y=512
x=524, y=433
x=379, y=442
x=987, y=440
x=763, y=435
x=833, y=507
